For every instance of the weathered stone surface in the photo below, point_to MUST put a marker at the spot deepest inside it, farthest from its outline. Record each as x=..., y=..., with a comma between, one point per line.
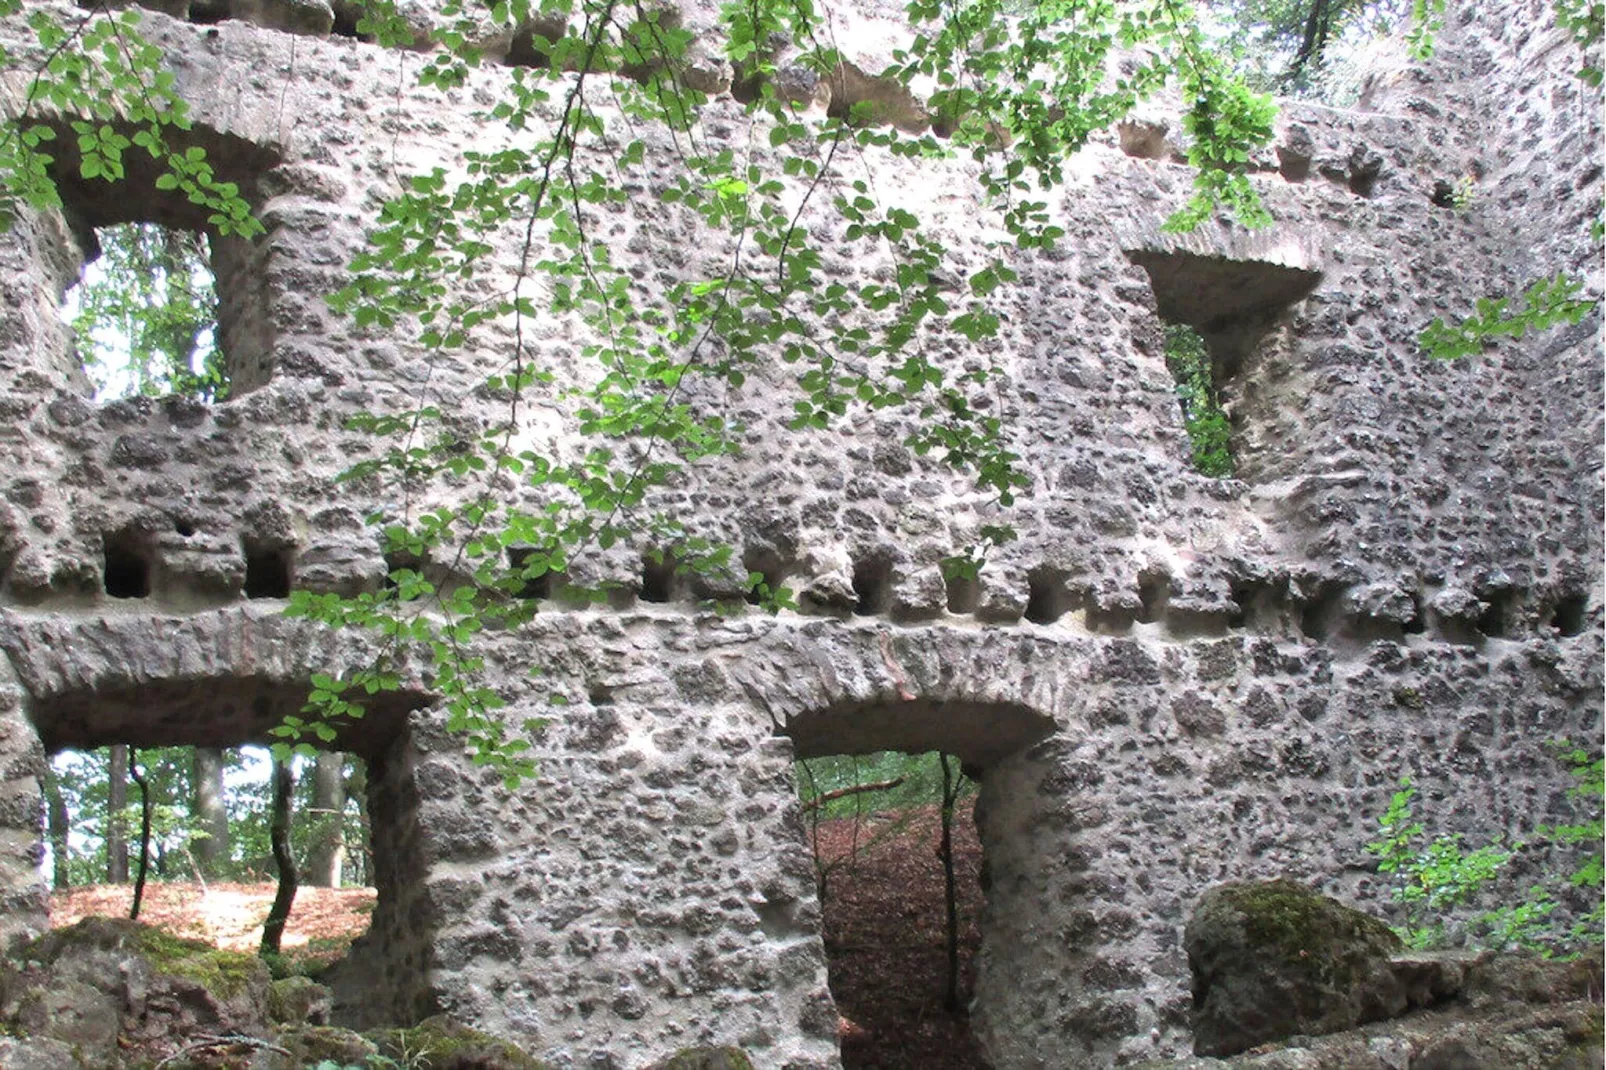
x=1550, y=1018
x=1271, y=959
x=1166, y=682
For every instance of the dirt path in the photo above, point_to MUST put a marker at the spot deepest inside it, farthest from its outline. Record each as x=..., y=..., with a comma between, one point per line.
x=229, y=914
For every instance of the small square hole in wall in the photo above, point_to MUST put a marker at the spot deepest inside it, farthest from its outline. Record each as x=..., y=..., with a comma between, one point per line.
x=872, y=585
x=127, y=565
x=268, y=569
x=659, y=579
x=521, y=559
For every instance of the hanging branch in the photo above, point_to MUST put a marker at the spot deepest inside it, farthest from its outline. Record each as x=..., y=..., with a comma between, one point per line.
x=144, y=832
x=852, y=789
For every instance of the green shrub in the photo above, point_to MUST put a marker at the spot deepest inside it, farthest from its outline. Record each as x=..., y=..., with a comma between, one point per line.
x=1435, y=876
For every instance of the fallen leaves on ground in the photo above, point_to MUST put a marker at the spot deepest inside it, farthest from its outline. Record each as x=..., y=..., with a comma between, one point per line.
x=886, y=941
x=228, y=914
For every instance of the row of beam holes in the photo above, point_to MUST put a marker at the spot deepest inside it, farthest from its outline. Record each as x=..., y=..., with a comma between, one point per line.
x=127, y=565
x=1047, y=598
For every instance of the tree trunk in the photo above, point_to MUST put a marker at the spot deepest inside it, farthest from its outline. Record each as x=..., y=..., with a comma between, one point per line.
x=279, y=832
x=144, y=837
x=116, y=802
x=357, y=788
x=211, y=817
x=950, y=794
x=327, y=855
x=58, y=823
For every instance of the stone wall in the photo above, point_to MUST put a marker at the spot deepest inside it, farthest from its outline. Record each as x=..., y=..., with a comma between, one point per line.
x=1168, y=681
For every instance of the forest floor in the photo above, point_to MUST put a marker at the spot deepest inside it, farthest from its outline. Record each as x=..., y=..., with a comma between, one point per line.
x=228, y=914
x=884, y=932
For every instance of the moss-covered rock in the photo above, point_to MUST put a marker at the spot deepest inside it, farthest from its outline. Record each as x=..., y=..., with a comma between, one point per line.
x=706, y=1059
x=310, y=1045
x=114, y=989
x=440, y=1044
x=299, y=1001
x=1272, y=959
x=225, y=974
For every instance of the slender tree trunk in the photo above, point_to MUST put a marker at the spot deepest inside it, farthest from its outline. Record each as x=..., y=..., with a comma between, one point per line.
x=950, y=793
x=116, y=802
x=328, y=853
x=357, y=788
x=57, y=823
x=279, y=832
x=144, y=836
x=211, y=816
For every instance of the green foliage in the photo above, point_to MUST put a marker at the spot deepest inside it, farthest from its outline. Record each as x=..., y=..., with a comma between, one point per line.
x=147, y=314
x=1588, y=790
x=1208, y=429
x=1546, y=303
x=918, y=780
x=1433, y=877
x=82, y=777
x=1585, y=22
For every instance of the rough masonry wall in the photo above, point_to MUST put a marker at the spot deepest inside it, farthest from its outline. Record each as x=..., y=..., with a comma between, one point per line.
x=1168, y=681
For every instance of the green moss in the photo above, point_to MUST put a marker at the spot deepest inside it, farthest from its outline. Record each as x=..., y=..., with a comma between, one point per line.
x=225, y=974
x=1306, y=929
x=441, y=1044
x=708, y=1059
x=291, y=1000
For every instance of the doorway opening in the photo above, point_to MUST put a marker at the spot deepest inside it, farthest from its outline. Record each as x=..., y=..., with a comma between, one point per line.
x=880, y=785
x=898, y=866
x=201, y=821
x=177, y=773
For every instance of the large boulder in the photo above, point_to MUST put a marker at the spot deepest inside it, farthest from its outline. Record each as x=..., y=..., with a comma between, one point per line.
x=108, y=987
x=1273, y=959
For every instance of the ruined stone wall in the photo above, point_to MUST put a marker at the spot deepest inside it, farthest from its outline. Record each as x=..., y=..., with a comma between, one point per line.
x=1168, y=681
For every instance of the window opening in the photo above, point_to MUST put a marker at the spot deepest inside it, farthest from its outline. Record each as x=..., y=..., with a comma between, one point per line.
x=210, y=872
x=1188, y=359
x=875, y=829
x=145, y=313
